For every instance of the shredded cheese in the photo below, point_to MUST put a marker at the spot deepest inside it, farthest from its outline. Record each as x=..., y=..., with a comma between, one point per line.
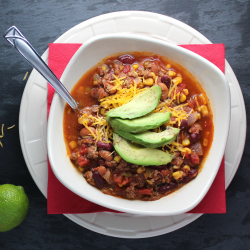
x=25, y=76
x=11, y=127
x=121, y=97
x=177, y=112
x=1, y=136
x=1, y=144
x=103, y=130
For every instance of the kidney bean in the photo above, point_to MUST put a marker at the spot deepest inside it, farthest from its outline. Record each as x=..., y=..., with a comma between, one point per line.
x=184, y=124
x=100, y=182
x=106, y=155
x=107, y=146
x=195, y=137
x=127, y=59
x=101, y=162
x=166, y=80
x=166, y=187
x=191, y=175
x=86, y=132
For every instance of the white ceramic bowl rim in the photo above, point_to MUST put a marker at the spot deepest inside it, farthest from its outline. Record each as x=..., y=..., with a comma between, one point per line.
x=159, y=207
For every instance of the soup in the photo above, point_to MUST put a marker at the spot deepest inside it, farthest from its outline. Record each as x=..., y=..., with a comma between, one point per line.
x=116, y=82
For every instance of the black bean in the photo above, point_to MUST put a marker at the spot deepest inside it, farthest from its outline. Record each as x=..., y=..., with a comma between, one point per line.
x=100, y=182
x=127, y=59
x=195, y=137
x=166, y=187
x=184, y=124
x=166, y=80
x=107, y=146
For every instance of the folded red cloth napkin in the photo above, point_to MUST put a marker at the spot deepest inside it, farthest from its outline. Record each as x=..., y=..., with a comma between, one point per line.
x=62, y=201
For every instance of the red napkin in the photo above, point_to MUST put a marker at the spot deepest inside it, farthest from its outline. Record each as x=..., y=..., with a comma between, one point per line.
x=62, y=201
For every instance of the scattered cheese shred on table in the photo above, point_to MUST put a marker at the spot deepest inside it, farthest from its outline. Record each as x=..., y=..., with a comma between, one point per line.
x=1, y=136
x=11, y=127
x=25, y=76
x=2, y=133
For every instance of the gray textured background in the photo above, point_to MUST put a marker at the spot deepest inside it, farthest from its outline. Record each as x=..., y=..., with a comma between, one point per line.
x=221, y=21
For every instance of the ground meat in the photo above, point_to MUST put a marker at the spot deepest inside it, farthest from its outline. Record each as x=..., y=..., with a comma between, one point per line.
x=73, y=156
x=89, y=141
x=145, y=73
x=110, y=164
x=123, y=166
x=177, y=161
x=89, y=177
x=92, y=153
x=131, y=192
x=138, y=180
x=133, y=74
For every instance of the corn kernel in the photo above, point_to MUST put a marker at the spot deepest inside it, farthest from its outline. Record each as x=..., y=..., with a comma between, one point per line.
x=168, y=66
x=203, y=99
x=204, y=110
x=148, y=81
x=185, y=91
x=95, y=82
x=186, y=167
x=177, y=80
x=117, y=158
x=104, y=67
x=176, y=167
x=141, y=170
x=72, y=144
x=198, y=116
x=188, y=150
x=150, y=182
x=205, y=142
x=127, y=174
x=177, y=175
x=171, y=73
x=81, y=169
x=103, y=112
x=135, y=66
x=183, y=98
x=185, y=142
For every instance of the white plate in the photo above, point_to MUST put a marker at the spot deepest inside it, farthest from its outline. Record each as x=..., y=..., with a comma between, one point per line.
x=33, y=120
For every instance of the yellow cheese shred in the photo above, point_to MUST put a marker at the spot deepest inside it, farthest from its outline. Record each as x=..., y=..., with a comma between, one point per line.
x=1, y=144
x=1, y=136
x=11, y=127
x=121, y=97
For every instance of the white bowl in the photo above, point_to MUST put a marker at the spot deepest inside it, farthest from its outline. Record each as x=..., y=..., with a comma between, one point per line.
x=213, y=82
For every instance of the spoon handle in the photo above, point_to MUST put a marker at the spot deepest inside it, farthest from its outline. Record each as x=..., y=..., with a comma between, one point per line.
x=22, y=45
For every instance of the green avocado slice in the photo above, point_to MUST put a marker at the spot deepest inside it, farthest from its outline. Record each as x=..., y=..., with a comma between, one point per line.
x=139, y=155
x=139, y=124
x=139, y=106
x=151, y=139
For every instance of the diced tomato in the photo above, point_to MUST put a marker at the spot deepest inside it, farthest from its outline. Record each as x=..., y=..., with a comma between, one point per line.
x=83, y=151
x=182, y=86
x=125, y=180
x=195, y=158
x=164, y=172
x=126, y=69
x=191, y=104
x=118, y=178
x=82, y=161
x=144, y=191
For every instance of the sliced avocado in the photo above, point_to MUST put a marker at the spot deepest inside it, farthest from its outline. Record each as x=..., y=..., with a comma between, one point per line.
x=139, y=155
x=139, y=106
x=139, y=124
x=151, y=139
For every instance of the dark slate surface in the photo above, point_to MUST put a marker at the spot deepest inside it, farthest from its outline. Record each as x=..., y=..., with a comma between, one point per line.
x=221, y=21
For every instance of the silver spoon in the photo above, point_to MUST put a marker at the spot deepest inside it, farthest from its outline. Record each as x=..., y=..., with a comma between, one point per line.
x=22, y=45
